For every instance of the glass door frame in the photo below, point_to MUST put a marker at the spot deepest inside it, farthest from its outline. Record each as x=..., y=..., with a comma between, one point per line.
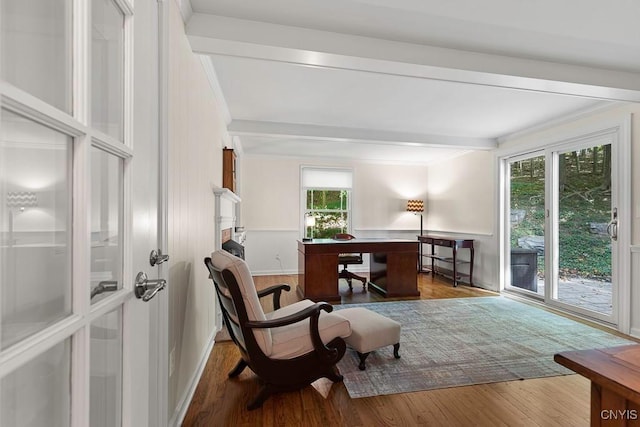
x=617, y=130
x=507, y=231
x=553, y=220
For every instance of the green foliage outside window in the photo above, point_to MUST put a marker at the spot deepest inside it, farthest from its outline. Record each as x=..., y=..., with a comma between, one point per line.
x=584, y=190
x=330, y=208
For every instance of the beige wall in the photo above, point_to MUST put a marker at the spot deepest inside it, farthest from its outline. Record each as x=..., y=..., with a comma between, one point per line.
x=271, y=193
x=381, y=193
x=271, y=206
x=196, y=135
x=461, y=195
x=461, y=202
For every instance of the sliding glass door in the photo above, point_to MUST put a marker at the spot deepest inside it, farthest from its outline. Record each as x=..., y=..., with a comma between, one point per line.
x=561, y=226
x=526, y=184
x=584, y=220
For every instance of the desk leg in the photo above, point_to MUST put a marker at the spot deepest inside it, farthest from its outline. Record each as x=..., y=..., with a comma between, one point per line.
x=433, y=261
x=455, y=266
x=471, y=267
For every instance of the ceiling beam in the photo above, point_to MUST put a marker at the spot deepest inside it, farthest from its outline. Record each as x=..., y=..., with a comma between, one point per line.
x=373, y=136
x=211, y=34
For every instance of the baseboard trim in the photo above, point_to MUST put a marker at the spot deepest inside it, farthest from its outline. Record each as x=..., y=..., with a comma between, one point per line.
x=635, y=332
x=486, y=287
x=182, y=408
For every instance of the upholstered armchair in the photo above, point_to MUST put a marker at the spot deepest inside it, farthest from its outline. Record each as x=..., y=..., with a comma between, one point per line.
x=287, y=348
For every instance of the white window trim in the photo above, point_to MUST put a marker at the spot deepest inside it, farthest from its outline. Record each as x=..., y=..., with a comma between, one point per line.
x=303, y=195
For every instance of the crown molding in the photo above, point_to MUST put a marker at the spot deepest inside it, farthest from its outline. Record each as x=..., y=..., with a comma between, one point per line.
x=186, y=10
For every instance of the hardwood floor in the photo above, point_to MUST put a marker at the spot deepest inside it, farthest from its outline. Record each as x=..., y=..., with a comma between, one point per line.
x=556, y=401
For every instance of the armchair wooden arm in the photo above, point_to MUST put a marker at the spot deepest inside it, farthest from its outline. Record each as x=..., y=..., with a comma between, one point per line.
x=276, y=290
x=312, y=310
x=313, y=313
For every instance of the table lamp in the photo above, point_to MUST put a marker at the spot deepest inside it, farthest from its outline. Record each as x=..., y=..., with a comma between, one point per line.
x=309, y=222
x=417, y=207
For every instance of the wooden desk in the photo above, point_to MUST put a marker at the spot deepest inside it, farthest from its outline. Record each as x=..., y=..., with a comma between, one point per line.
x=615, y=382
x=454, y=273
x=393, y=267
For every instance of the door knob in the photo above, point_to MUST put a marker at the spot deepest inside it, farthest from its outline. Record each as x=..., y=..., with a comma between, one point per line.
x=146, y=288
x=612, y=227
x=157, y=257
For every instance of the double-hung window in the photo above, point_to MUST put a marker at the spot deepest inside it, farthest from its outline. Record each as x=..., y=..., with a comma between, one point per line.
x=326, y=194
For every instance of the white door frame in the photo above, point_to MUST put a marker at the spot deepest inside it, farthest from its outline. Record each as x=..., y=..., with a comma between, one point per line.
x=161, y=316
x=607, y=136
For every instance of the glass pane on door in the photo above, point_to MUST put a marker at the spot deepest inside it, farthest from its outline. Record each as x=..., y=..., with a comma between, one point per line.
x=106, y=223
x=527, y=215
x=106, y=370
x=38, y=394
x=36, y=48
x=35, y=250
x=584, y=246
x=107, y=68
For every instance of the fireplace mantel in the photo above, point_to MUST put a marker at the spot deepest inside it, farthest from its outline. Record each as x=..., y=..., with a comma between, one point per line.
x=225, y=212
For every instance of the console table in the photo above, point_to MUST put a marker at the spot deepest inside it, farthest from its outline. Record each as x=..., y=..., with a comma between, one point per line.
x=393, y=267
x=452, y=263
x=615, y=382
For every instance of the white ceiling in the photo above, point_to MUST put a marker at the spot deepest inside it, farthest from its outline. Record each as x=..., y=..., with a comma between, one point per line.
x=410, y=80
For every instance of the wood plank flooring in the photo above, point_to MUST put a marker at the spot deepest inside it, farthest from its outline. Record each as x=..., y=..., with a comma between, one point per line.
x=219, y=401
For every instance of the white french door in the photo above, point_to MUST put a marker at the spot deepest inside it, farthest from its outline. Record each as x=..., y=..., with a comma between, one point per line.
x=566, y=225
x=78, y=211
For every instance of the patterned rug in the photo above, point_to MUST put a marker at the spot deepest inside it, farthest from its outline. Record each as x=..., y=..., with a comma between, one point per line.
x=465, y=341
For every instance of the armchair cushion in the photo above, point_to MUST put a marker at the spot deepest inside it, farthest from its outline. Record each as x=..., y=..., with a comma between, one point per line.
x=224, y=260
x=294, y=340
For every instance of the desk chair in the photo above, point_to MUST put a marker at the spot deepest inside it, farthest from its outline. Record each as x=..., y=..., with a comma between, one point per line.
x=349, y=259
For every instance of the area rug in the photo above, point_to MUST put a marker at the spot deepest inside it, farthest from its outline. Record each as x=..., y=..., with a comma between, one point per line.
x=465, y=341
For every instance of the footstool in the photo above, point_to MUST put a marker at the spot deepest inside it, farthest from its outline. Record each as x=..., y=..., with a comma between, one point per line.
x=370, y=331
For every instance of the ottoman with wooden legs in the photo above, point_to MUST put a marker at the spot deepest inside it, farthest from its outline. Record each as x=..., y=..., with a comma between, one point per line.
x=370, y=331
